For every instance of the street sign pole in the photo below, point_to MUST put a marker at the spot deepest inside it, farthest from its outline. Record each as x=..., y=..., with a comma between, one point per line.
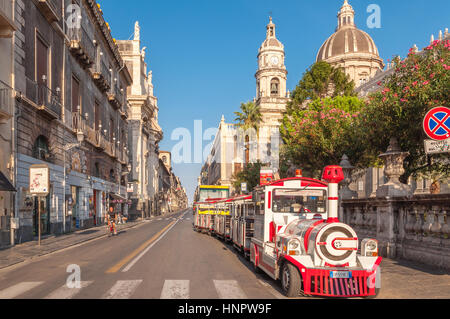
x=39, y=220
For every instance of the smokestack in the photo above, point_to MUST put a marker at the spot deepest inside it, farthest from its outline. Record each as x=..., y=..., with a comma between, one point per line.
x=333, y=175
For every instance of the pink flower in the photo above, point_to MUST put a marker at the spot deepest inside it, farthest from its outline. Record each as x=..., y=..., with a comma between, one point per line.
x=415, y=83
x=425, y=82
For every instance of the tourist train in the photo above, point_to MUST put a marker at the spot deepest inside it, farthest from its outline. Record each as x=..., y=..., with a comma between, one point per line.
x=290, y=230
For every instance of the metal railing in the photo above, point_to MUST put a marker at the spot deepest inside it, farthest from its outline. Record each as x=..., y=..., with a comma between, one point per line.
x=45, y=98
x=85, y=43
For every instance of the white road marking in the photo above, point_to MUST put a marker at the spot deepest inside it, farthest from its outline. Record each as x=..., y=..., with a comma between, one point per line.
x=18, y=289
x=135, y=260
x=67, y=293
x=159, y=219
x=229, y=289
x=175, y=289
x=123, y=289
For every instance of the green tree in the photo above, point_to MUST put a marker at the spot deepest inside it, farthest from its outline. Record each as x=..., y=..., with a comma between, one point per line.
x=322, y=133
x=319, y=81
x=249, y=175
x=419, y=83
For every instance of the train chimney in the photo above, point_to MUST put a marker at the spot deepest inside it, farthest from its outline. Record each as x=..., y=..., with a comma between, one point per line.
x=298, y=173
x=333, y=175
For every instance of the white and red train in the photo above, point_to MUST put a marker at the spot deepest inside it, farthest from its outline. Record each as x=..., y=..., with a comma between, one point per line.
x=290, y=230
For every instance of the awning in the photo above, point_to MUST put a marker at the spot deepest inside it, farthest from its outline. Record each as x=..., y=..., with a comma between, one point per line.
x=5, y=184
x=116, y=198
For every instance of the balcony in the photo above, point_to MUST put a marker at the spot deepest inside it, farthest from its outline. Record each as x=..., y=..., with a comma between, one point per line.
x=101, y=75
x=6, y=102
x=7, y=26
x=123, y=113
x=81, y=46
x=115, y=97
x=44, y=99
x=50, y=9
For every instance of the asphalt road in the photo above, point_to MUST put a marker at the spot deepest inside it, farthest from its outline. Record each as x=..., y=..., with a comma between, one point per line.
x=162, y=258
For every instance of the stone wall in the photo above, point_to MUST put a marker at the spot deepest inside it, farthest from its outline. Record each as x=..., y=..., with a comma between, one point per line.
x=414, y=228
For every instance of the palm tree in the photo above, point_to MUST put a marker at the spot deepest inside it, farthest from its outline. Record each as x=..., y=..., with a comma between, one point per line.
x=250, y=117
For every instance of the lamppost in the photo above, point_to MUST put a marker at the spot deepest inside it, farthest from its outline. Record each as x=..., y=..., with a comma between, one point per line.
x=66, y=148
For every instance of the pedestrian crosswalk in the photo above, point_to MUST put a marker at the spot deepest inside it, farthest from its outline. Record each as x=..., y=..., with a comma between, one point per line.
x=124, y=289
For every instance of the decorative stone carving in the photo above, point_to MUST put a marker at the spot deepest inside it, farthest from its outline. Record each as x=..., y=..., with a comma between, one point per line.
x=393, y=160
x=346, y=192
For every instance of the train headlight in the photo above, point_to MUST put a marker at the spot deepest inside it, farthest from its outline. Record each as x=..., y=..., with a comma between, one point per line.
x=294, y=247
x=369, y=248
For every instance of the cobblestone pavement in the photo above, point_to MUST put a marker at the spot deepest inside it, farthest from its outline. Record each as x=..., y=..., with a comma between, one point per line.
x=409, y=280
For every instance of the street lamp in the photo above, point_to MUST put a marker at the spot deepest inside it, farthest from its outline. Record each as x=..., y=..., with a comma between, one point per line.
x=66, y=148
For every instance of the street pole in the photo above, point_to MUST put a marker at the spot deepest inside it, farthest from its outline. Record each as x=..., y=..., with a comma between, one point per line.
x=39, y=220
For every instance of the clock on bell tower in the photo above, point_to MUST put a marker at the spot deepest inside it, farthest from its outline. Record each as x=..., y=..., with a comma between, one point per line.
x=271, y=93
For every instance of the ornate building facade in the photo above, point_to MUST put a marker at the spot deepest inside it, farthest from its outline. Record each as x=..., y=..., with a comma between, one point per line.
x=351, y=49
x=71, y=114
x=7, y=29
x=144, y=131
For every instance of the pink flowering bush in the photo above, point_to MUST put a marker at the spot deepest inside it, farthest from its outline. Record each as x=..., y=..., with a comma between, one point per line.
x=320, y=134
x=419, y=83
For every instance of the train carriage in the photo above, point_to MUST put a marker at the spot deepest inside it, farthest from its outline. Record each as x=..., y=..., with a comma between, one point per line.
x=243, y=211
x=291, y=231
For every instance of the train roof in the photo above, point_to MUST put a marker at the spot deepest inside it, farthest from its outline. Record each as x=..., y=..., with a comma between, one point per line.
x=306, y=181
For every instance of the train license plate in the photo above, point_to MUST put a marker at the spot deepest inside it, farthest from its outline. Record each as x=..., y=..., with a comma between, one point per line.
x=341, y=274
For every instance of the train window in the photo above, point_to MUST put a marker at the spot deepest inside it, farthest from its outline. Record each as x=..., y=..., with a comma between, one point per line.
x=299, y=201
x=251, y=209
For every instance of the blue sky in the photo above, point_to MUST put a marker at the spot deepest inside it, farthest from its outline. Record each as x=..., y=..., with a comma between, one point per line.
x=203, y=52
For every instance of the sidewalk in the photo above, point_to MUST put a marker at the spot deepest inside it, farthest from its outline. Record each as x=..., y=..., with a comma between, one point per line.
x=29, y=250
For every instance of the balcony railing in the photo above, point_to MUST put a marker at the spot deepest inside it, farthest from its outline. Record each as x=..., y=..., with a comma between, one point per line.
x=82, y=46
x=51, y=9
x=6, y=19
x=115, y=97
x=6, y=102
x=44, y=98
x=101, y=75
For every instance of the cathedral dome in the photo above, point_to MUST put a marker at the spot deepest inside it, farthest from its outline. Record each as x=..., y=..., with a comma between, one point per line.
x=351, y=49
x=347, y=39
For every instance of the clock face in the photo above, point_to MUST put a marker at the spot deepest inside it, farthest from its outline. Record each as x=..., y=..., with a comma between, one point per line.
x=274, y=60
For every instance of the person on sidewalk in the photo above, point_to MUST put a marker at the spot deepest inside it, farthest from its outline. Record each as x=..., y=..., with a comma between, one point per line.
x=112, y=220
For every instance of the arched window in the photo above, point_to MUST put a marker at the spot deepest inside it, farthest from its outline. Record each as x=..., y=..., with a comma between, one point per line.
x=41, y=149
x=164, y=159
x=97, y=169
x=275, y=87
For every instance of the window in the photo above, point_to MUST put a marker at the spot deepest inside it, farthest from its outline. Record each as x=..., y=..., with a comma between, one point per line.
x=299, y=201
x=274, y=86
x=41, y=62
x=76, y=107
x=96, y=116
x=164, y=159
x=41, y=149
x=111, y=130
x=97, y=170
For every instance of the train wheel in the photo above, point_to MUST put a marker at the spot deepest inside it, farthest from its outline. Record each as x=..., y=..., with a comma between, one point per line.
x=291, y=281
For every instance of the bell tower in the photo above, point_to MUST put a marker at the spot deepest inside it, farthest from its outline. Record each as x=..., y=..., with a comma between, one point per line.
x=271, y=93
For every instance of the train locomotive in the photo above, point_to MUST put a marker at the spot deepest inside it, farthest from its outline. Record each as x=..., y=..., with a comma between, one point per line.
x=290, y=230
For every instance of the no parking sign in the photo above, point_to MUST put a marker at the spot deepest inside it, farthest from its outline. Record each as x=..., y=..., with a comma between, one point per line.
x=437, y=123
